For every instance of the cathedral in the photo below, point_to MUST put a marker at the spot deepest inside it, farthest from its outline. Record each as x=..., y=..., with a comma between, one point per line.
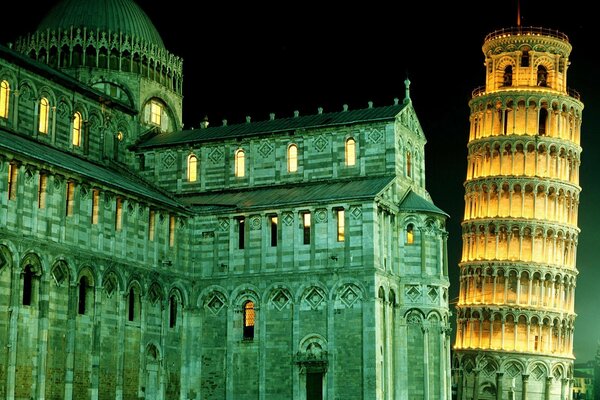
x=515, y=314
x=298, y=257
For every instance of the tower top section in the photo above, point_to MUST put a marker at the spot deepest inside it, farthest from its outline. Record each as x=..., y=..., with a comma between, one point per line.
x=530, y=38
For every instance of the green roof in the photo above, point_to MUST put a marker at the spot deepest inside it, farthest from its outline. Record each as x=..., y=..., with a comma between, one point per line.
x=371, y=114
x=291, y=194
x=114, y=16
x=412, y=202
x=84, y=168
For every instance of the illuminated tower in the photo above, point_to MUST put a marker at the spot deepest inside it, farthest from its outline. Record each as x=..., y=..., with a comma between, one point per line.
x=515, y=312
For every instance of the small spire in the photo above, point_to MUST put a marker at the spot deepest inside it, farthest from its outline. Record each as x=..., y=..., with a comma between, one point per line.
x=345, y=107
x=272, y=116
x=370, y=104
x=204, y=123
x=248, y=118
x=396, y=101
x=518, y=13
x=407, y=91
x=320, y=110
x=224, y=122
x=296, y=114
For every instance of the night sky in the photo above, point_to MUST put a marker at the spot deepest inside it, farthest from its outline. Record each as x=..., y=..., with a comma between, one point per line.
x=257, y=58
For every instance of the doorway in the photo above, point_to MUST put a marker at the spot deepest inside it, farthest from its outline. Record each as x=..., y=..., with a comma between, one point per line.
x=314, y=386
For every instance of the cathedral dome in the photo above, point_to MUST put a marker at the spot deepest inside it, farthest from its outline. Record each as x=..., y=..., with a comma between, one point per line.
x=114, y=16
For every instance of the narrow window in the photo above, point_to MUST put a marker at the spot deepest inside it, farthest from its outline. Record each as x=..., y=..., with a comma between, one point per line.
x=306, y=227
x=12, y=181
x=171, y=230
x=119, y=214
x=77, y=129
x=131, y=303
x=292, y=158
x=155, y=113
x=340, y=225
x=241, y=228
x=507, y=76
x=410, y=239
x=70, y=198
x=240, y=163
x=27, y=286
x=83, y=289
x=525, y=59
x=44, y=115
x=42, y=190
x=172, y=312
x=542, y=76
x=273, y=223
x=542, y=122
x=151, y=219
x=248, y=320
x=408, y=164
x=192, y=168
x=95, y=205
x=350, y=152
x=4, y=98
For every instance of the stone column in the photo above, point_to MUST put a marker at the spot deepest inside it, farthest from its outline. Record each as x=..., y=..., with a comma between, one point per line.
x=499, y=388
x=548, y=388
x=425, y=329
x=476, y=384
x=70, y=340
x=524, y=389
x=564, y=384
x=459, y=385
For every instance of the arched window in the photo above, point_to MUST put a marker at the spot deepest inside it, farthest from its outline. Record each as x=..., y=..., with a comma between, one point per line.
x=156, y=113
x=292, y=158
x=507, y=76
x=240, y=163
x=410, y=239
x=542, y=76
x=350, y=152
x=248, y=320
x=408, y=164
x=85, y=294
x=525, y=59
x=192, y=168
x=4, y=98
x=133, y=302
x=173, y=303
x=28, y=278
x=77, y=129
x=542, y=121
x=44, y=115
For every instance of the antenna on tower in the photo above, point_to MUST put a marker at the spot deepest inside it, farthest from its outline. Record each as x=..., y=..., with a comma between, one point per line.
x=519, y=13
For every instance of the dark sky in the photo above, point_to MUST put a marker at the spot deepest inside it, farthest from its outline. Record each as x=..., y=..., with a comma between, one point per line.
x=255, y=58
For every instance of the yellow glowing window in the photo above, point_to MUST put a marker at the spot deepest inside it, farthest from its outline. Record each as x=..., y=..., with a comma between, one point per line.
x=44, y=115
x=341, y=227
x=249, y=320
x=151, y=219
x=70, y=198
x=119, y=214
x=77, y=129
x=273, y=220
x=95, y=205
x=12, y=181
x=410, y=239
x=350, y=152
x=240, y=163
x=42, y=190
x=192, y=168
x=4, y=98
x=306, y=227
x=171, y=231
x=292, y=158
x=155, y=112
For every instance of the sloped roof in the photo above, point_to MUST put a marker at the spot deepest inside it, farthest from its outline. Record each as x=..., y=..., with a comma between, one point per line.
x=115, y=16
x=412, y=202
x=87, y=169
x=371, y=114
x=291, y=194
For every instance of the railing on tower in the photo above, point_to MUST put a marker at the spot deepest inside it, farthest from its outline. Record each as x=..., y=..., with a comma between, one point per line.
x=529, y=30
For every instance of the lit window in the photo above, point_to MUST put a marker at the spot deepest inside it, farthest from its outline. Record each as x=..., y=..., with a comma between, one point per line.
x=119, y=214
x=273, y=221
x=306, y=227
x=70, y=198
x=12, y=181
x=95, y=205
x=410, y=239
x=171, y=231
x=44, y=115
x=249, y=320
x=4, y=98
x=240, y=163
x=77, y=129
x=151, y=220
x=241, y=227
x=192, y=168
x=340, y=225
x=408, y=164
x=42, y=190
x=155, y=113
x=292, y=158
x=350, y=152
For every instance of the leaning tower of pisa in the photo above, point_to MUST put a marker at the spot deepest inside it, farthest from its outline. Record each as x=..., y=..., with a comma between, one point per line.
x=515, y=313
